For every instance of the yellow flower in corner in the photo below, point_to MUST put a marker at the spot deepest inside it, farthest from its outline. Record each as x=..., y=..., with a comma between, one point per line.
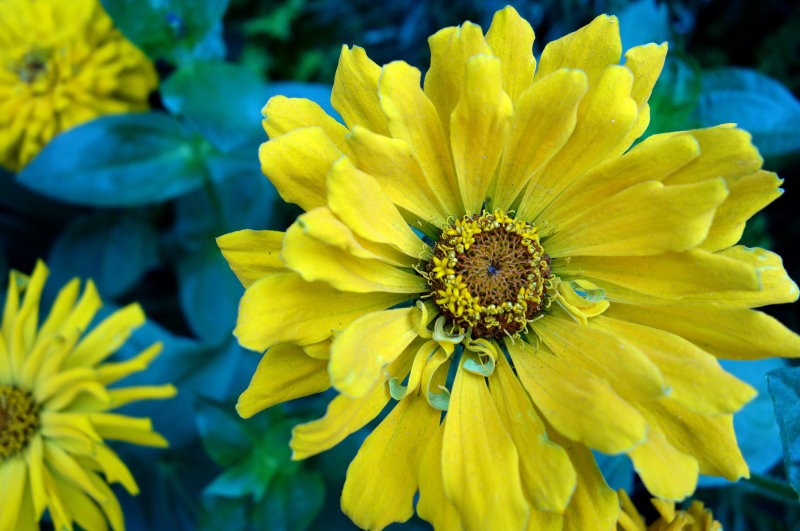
x=55, y=407
x=62, y=63
x=492, y=255
x=695, y=518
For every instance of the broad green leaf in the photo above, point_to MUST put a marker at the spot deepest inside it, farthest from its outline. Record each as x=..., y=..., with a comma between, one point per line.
x=226, y=437
x=166, y=29
x=784, y=386
x=617, y=470
x=221, y=101
x=292, y=503
x=757, y=103
x=119, y=161
x=675, y=96
x=209, y=294
x=112, y=249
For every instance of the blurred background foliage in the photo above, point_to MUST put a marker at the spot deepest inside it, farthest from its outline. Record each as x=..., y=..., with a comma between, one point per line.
x=135, y=202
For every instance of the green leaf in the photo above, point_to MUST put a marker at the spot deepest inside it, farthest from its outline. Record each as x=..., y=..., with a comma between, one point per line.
x=757, y=103
x=112, y=249
x=784, y=387
x=226, y=437
x=118, y=161
x=617, y=470
x=209, y=294
x=166, y=29
x=675, y=96
x=221, y=101
x=292, y=503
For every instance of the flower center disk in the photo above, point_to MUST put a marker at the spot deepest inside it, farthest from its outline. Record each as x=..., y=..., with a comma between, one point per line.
x=489, y=273
x=19, y=420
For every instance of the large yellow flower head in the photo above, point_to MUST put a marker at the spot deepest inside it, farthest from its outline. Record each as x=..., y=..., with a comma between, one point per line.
x=489, y=254
x=62, y=63
x=55, y=407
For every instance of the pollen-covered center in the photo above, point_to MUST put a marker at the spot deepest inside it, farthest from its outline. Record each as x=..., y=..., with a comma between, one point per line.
x=489, y=273
x=32, y=66
x=19, y=420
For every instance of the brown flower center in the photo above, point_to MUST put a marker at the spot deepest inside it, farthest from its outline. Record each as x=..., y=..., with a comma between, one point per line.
x=19, y=420
x=489, y=273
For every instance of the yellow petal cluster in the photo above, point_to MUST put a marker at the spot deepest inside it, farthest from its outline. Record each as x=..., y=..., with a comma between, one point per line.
x=647, y=286
x=55, y=378
x=62, y=63
x=694, y=518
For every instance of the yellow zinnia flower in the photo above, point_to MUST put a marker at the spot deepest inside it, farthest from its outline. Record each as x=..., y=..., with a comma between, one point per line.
x=492, y=246
x=55, y=407
x=62, y=63
x=695, y=518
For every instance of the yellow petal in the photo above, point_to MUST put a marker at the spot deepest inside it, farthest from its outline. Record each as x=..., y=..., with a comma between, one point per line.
x=730, y=333
x=347, y=415
x=647, y=218
x=358, y=200
x=27, y=320
x=86, y=512
x=776, y=286
x=35, y=461
x=395, y=447
x=60, y=460
x=603, y=354
x=591, y=49
x=412, y=118
x=579, y=405
x=594, y=505
x=126, y=395
x=252, y=254
x=297, y=164
x=319, y=351
x=605, y=115
x=367, y=345
x=450, y=49
x=726, y=152
x=543, y=120
x=284, y=373
x=61, y=514
x=433, y=505
x=83, y=312
x=111, y=508
x=355, y=91
x=111, y=372
x=480, y=464
x=107, y=337
x=107, y=461
x=61, y=308
x=668, y=275
x=124, y=428
x=687, y=369
x=284, y=308
x=748, y=195
x=666, y=472
x=645, y=62
x=647, y=161
x=315, y=260
x=322, y=225
x=393, y=164
x=282, y=114
x=479, y=128
x=629, y=518
x=547, y=475
x=12, y=484
x=710, y=440
x=511, y=39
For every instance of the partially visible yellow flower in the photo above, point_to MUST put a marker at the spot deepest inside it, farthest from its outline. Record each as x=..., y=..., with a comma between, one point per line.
x=493, y=245
x=55, y=407
x=62, y=63
x=695, y=518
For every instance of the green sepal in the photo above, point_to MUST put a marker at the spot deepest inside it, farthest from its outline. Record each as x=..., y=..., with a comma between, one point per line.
x=396, y=389
x=589, y=295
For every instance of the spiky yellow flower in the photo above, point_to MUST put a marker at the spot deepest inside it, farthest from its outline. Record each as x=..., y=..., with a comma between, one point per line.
x=55, y=407
x=62, y=64
x=695, y=518
x=493, y=246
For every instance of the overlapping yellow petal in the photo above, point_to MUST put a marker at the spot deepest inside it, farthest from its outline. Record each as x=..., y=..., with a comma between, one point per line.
x=433, y=505
x=395, y=447
x=511, y=39
x=284, y=373
x=665, y=471
x=252, y=254
x=480, y=464
x=367, y=345
x=297, y=164
x=478, y=129
x=282, y=114
x=355, y=91
x=284, y=308
x=647, y=218
x=594, y=505
x=579, y=405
